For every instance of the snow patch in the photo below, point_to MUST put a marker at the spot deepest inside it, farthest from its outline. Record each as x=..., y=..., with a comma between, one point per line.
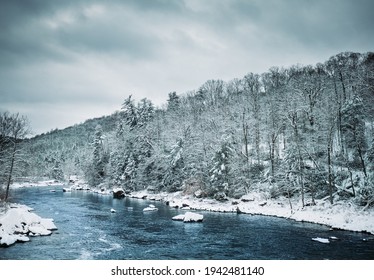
x=150, y=208
x=18, y=222
x=321, y=240
x=189, y=217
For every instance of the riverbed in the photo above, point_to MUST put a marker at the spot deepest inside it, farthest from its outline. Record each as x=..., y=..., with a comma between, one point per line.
x=87, y=229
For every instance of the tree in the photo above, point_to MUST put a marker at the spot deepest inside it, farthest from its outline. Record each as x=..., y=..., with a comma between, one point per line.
x=129, y=112
x=99, y=158
x=221, y=167
x=252, y=87
x=173, y=101
x=353, y=124
x=13, y=128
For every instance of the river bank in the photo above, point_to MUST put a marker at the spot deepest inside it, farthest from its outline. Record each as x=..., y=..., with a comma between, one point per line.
x=343, y=214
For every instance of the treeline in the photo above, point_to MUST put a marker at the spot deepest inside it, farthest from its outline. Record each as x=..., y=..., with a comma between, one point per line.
x=303, y=130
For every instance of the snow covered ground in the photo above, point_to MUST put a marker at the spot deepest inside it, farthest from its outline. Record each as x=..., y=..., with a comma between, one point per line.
x=41, y=183
x=341, y=215
x=18, y=223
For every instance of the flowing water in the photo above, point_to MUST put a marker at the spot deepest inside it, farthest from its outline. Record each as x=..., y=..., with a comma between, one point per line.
x=88, y=230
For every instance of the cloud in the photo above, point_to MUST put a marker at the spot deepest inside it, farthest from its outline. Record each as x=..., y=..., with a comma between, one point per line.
x=96, y=53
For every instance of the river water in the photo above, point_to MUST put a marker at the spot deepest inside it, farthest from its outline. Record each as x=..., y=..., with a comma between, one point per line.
x=88, y=230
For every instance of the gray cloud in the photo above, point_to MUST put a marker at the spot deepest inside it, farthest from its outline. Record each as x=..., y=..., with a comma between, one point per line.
x=81, y=52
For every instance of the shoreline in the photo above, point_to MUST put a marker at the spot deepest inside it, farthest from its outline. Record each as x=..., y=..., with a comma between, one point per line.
x=343, y=215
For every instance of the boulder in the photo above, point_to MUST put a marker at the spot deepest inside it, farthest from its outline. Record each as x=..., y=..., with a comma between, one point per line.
x=220, y=196
x=118, y=193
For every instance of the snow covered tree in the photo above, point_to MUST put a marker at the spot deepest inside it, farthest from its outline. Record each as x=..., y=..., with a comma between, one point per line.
x=252, y=88
x=99, y=158
x=220, y=170
x=353, y=124
x=13, y=128
x=145, y=112
x=129, y=112
x=173, y=101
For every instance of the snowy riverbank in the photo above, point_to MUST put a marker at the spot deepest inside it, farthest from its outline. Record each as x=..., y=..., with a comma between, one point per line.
x=18, y=223
x=342, y=215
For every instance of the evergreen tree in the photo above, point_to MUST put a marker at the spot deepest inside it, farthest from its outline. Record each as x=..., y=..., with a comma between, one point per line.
x=173, y=101
x=98, y=160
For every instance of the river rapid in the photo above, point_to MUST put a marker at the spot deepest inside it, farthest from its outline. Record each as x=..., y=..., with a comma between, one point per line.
x=88, y=230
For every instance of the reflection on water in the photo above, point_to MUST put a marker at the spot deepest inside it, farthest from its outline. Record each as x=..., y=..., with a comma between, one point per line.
x=88, y=230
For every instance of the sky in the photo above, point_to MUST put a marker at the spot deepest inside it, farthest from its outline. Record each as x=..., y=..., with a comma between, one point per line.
x=62, y=62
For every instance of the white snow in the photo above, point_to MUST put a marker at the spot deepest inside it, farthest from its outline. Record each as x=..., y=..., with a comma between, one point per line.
x=321, y=240
x=192, y=217
x=113, y=210
x=178, y=217
x=17, y=222
x=118, y=190
x=150, y=208
x=189, y=217
x=340, y=215
x=33, y=183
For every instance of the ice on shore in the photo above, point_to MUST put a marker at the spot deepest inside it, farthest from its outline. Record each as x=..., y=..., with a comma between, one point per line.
x=18, y=223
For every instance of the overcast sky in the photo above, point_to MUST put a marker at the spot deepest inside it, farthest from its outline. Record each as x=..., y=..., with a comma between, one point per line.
x=62, y=62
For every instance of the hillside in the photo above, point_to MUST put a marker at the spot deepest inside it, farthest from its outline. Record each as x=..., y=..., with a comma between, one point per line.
x=304, y=130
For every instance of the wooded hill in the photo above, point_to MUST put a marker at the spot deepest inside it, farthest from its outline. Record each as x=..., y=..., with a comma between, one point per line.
x=303, y=130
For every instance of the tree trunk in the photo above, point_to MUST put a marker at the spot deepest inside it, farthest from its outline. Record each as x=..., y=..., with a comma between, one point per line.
x=10, y=171
x=245, y=140
x=359, y=150
x=330, y=173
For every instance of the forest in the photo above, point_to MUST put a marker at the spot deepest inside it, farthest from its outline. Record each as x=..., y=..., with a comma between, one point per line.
x=301, y=131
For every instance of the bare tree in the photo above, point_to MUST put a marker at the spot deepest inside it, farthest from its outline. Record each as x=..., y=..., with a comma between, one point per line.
x=13, y=128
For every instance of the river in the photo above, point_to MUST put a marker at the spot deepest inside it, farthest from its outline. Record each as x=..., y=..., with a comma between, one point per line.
x=88, y=230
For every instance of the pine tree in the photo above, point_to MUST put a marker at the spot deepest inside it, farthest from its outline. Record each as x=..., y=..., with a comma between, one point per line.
x=98, y=157
x=129, y=112
x=221, y=168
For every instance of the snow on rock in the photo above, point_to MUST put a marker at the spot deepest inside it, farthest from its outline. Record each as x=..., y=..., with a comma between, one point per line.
x=139, y=195
x=18, y=222
x=39, y=229
x=189, y=217
x=178, y=217
x=340, y=215
x=192, y=217
x=321, y=240
x=113, y=210
x=150, y=208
